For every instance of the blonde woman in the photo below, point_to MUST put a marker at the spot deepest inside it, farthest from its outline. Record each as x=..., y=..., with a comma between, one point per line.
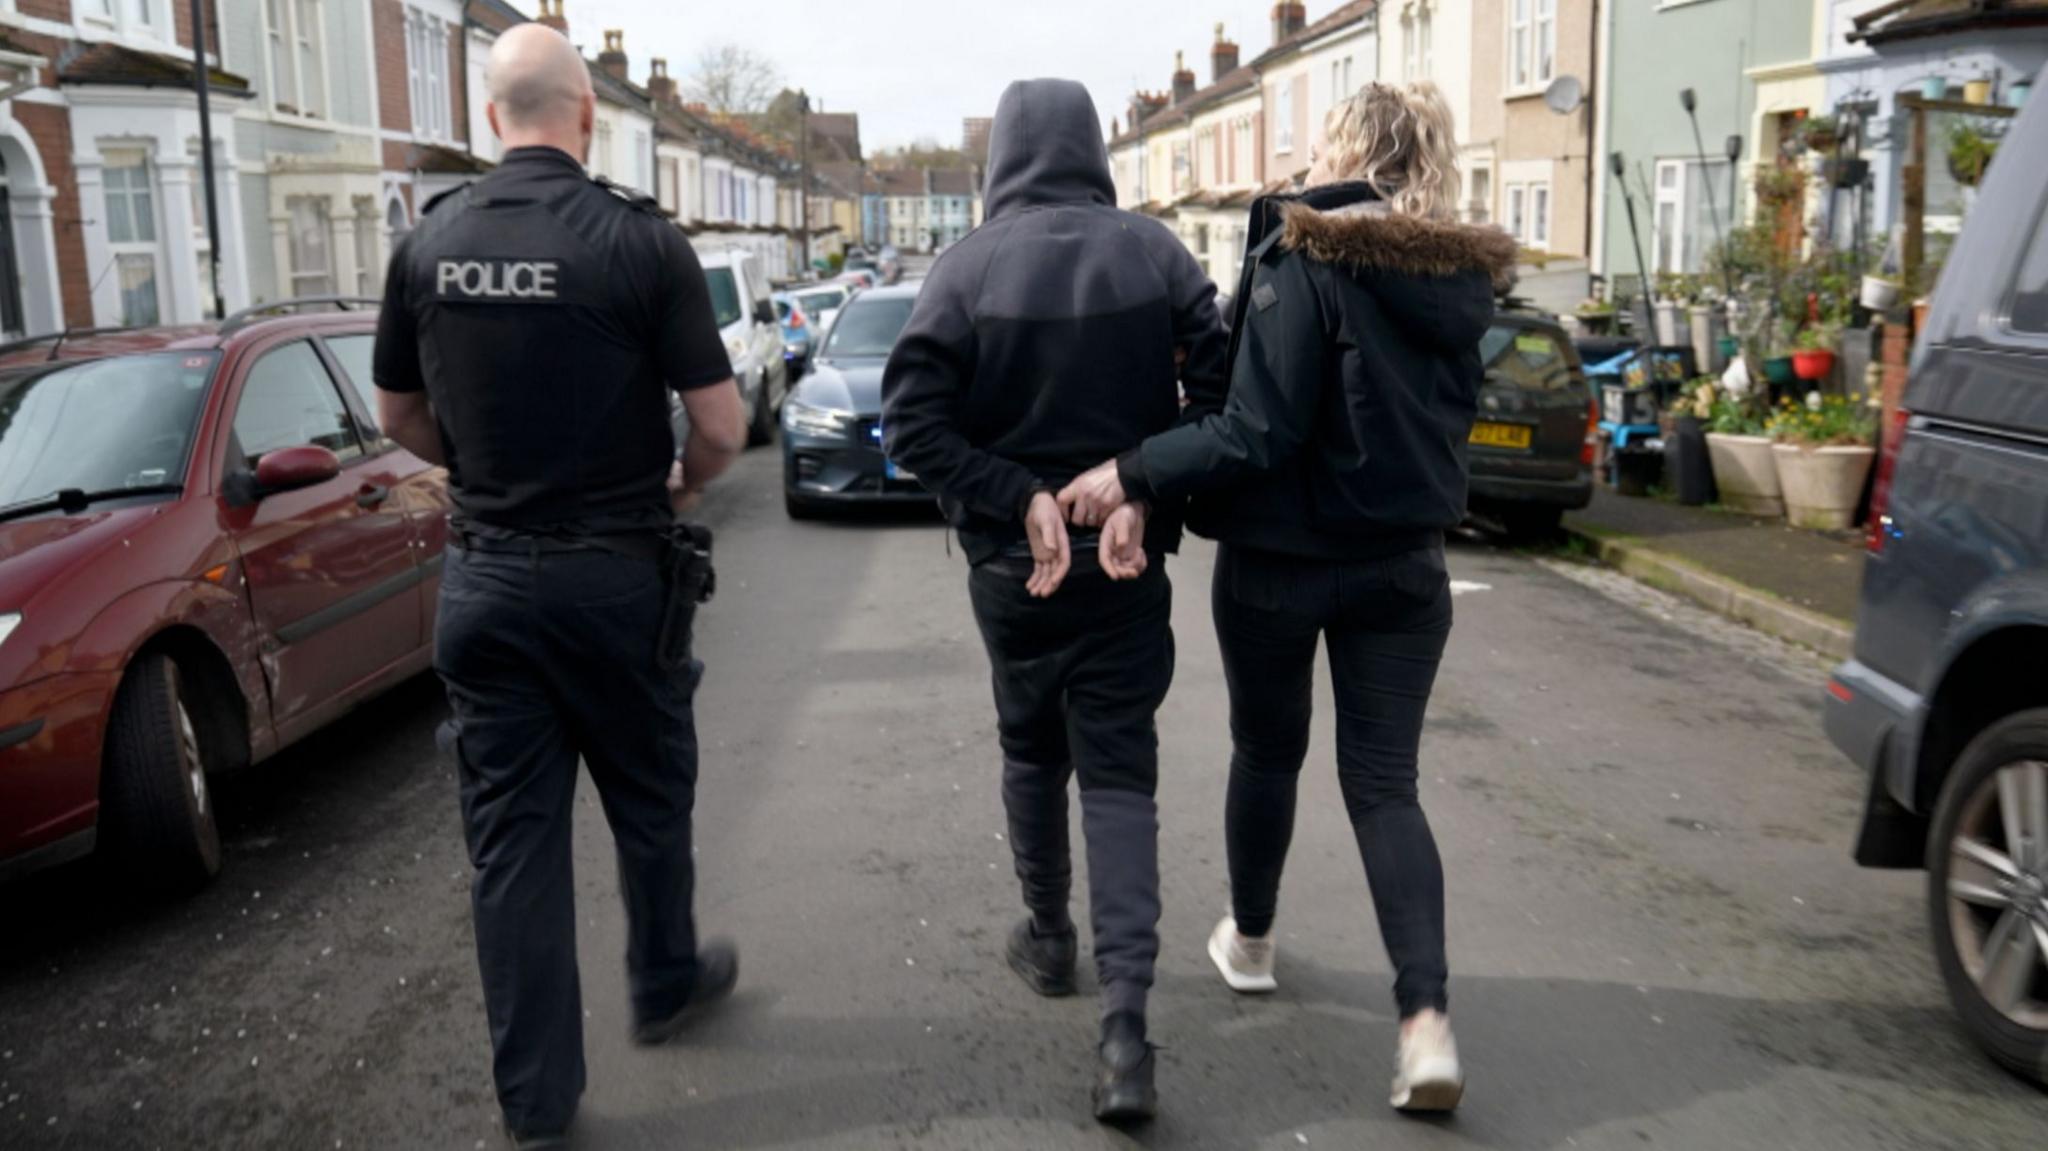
x=1329, y=477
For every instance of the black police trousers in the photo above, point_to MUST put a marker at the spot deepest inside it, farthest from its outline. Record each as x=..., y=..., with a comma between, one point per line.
x=549, y=658
x=1384, y=623
x=1078, y=679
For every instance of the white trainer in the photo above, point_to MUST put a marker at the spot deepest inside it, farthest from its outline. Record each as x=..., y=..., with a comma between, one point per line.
x=1245, y=961
x=1430, y=1078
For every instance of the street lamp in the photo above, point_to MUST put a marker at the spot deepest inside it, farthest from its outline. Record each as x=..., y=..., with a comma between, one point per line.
x=1734, y=179
x=1691, y=105
x=1619, y=167
x=201, y=83
x=803, y=224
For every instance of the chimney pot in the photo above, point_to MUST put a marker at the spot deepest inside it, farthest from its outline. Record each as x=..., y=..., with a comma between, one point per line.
x=1289, y=18
x=613, y=58
x=1183, y=80
x=1223, y=57
x=660, y=85
x=551, y=15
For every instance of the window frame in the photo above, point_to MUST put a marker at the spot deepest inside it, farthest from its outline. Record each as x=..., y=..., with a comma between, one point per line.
x=324, y=212
x=2035, y=339
x=140, y=204
x=1283, y=118
x=361, y=407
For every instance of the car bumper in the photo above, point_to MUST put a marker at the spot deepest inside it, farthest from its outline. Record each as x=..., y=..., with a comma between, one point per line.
x=1509, y=491
x=51, y=735
x=1871, y=719
x=822, y=470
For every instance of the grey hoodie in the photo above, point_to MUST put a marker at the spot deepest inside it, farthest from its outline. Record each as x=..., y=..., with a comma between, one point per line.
x=1044, y=343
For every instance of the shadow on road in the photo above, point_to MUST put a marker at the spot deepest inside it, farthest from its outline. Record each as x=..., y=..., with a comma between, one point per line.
x=1548, y=1060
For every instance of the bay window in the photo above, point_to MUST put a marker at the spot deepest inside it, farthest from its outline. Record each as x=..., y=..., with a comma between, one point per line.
x=311, y=267
x=131, y=233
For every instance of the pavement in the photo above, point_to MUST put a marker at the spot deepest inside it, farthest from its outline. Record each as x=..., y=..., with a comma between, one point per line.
x=1657, y=935
x=1796, y=584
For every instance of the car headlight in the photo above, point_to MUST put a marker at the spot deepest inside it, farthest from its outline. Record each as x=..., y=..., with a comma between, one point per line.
x=804, y=419
x=8, y=623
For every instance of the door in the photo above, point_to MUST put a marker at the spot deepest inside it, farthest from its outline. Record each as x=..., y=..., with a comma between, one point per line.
x=418, y=488
x=331, y=570
x=11, y=322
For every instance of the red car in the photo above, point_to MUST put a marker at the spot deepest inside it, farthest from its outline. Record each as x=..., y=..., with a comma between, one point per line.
x=207, y=551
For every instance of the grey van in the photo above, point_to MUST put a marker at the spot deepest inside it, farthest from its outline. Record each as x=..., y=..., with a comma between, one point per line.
x=1945, y=702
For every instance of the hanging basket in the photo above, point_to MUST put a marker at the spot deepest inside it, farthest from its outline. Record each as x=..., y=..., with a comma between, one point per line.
x=1813, y=366
x=1844, y=173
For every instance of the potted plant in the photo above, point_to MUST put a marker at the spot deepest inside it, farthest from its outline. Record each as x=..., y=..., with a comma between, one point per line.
x=1744, y=468
x=1970, y=150
x=1934, y=88
x=1977, y=91
x=1823, y=452
x=1596, y=316
x=1815, y=358
x=1821, y=134
x=1880, y=291
x=1686, y=459
x=2016, y=93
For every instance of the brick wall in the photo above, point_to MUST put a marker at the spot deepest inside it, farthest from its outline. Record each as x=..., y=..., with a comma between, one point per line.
x=47, y=9
x=50, y=128
x=181, y=21
x=394, y=94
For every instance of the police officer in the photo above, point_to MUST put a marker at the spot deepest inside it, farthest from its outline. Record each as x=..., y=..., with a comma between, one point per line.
x=532, y=326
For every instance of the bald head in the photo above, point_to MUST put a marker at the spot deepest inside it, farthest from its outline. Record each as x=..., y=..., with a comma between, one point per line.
x=540, y=90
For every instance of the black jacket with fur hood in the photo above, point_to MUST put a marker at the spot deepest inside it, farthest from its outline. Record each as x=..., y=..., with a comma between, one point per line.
x=1355, y=373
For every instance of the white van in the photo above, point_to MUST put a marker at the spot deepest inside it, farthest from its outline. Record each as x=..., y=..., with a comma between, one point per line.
x=753, y=336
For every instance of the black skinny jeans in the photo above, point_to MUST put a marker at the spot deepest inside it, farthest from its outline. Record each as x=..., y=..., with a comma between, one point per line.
x=1385, y=622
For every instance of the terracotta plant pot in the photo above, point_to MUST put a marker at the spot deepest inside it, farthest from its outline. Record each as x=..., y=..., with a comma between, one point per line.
x=1813, y=366
x=1821, y=486
x=1746, y=473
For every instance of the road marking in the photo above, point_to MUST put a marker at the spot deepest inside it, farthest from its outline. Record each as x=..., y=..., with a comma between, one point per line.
x=1462, y=586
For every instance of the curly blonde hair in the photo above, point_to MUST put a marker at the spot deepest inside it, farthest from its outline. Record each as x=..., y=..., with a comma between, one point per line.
x=1403, y=141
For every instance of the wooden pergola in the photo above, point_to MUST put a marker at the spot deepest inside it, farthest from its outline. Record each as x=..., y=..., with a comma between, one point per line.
x=1914, y=172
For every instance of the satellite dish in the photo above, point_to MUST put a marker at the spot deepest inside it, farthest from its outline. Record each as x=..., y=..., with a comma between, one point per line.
x=1564, y=95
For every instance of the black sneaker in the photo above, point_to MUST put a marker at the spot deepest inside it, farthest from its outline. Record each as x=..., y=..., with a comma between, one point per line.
x=1123, y=1079
x=538, y=1140
x=718, y=969
x=1044, y=962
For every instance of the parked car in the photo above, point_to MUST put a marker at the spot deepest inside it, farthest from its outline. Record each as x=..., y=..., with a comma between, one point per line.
x=860, y=279
x=796, y=335
x=1533, y=442
x=821, y=302
x=832, y=425
x=1945, y=700
x=753, y=337
x=207, y=553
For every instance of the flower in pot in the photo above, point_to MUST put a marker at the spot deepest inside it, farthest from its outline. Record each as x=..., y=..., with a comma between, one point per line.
x=1821, y=134
x=1880, y=291
x=1814, y=360
x=1823, y=452
x=1970, y=151
x=1596, y=315
x=1744, y=469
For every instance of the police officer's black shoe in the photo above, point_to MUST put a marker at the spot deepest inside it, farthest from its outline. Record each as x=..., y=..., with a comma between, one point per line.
x=539, y=1141
x=1123, y=1078
x=718, y=969
x=1044, y=962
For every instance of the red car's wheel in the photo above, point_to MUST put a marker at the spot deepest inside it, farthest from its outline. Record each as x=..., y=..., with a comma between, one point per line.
x=156, y=811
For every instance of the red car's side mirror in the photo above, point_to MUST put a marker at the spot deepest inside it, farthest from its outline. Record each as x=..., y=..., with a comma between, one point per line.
x=289, y=469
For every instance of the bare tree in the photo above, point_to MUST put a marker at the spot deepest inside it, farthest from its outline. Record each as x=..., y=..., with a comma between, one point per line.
x=733, y=80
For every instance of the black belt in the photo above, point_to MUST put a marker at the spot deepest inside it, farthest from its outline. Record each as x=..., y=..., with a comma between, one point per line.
x=639, y=545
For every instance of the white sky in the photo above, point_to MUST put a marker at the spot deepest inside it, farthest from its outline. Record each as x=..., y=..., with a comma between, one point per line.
x=915, y=68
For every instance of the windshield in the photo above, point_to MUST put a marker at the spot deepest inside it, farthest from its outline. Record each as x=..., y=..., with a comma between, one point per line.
x=106, y=425
x=868, y=328
x=725, y=296
x=815, y=302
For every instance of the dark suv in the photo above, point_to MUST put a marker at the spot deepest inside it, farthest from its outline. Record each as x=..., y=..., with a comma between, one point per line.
x=1533, y=438
x=1946, y=701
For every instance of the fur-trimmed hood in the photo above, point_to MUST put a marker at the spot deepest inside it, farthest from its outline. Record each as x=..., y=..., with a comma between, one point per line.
x=1433, y=282
x=1370, y=236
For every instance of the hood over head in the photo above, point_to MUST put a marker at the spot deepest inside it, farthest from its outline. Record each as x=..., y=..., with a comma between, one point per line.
x=1046, y=148
x=1439, y=277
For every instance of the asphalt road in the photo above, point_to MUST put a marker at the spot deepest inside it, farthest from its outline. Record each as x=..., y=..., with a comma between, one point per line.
x=1658, y=938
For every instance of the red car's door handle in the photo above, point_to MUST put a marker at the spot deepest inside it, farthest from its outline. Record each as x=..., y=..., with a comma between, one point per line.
x=370, y=495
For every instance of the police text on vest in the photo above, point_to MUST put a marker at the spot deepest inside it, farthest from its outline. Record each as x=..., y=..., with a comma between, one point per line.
x=496, y=279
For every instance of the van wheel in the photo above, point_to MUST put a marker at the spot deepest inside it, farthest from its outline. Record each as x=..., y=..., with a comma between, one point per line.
x=1987, y=891
x=156, y=808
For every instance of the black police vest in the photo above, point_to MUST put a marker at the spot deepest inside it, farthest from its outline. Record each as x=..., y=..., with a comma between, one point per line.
x=537, y=344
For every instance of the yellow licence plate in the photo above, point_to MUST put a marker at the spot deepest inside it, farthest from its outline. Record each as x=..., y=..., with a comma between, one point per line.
x=1502, y=435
